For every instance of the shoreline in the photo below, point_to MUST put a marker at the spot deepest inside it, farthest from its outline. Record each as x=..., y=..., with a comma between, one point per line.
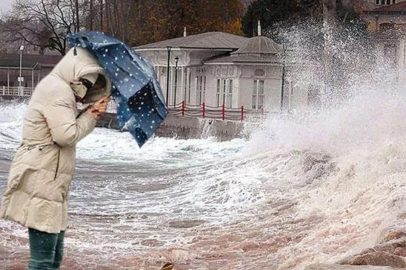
x=188, y=128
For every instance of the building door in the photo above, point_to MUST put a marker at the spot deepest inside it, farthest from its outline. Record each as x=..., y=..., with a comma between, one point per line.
x=225, y=92
x=200, y=89
x=258, y=95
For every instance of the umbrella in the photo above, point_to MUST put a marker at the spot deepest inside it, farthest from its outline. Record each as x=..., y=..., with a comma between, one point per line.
x=141, y=105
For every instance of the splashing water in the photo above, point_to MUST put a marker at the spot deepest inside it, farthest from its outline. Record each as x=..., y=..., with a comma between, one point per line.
x=313, y=186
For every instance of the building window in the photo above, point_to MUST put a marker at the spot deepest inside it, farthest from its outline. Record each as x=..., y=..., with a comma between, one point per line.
x=229, y=98
x=200, y=89
x=218, y=92
x=258, y=95
x=385, y=2
x=224, y=93
x=185, y=84
x=189, y=88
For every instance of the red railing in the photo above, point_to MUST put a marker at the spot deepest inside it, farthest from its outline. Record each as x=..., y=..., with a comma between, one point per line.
x=205, y=111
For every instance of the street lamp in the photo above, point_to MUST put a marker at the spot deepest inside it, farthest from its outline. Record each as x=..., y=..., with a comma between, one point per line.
x=176, y=80
x=283, y=74
x=20, y=79
x=167, y=74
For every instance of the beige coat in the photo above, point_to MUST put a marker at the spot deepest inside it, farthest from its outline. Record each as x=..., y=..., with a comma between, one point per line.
x=43, y=167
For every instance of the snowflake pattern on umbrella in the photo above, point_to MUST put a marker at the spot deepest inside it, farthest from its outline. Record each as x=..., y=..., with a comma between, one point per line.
x=141, y=105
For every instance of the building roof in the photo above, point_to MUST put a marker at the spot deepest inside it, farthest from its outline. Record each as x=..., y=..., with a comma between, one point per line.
x=209, y=40
x=29, y=60
x=259, y=45
x=258, y=49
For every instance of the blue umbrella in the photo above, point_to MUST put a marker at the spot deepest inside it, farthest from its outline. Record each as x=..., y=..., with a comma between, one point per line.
x=141, y=105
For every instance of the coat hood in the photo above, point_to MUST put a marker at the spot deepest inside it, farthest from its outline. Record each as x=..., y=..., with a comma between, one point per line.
x=79, y=63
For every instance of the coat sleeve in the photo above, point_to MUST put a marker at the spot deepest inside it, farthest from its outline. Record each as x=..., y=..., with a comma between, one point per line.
x=65, y=128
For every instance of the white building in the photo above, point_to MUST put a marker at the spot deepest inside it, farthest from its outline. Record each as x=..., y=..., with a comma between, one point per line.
x=387, y=25
x=218, y=68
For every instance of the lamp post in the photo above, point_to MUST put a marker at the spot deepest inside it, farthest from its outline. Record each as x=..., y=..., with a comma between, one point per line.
x=176, y=81
x=167, y=74
x=20, y=79
x=283, y=75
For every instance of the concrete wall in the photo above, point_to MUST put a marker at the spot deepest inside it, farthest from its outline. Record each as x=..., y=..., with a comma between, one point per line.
x=188, y=128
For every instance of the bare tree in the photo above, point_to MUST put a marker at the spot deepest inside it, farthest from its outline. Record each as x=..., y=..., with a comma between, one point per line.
x=91, y=14
x=42, y=23
x=117, y=15
x=77, y=15
x=101, y=14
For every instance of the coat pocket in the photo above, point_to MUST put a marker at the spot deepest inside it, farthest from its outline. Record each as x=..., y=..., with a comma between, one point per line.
x=57, y=163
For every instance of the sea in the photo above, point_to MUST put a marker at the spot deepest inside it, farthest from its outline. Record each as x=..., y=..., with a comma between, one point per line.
x=305, y=186
x=302, y=188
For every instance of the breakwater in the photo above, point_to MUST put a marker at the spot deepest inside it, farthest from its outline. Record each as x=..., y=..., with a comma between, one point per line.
x=188, y=127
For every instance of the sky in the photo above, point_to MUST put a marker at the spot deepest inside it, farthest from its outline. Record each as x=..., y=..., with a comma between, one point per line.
x=5, y=5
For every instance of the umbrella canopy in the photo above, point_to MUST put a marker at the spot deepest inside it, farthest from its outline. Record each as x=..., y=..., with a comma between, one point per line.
x=141, y=105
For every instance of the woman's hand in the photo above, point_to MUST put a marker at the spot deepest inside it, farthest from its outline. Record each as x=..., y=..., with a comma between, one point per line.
x=99, y=107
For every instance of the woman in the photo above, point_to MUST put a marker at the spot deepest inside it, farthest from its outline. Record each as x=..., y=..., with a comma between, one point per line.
x=43, y=167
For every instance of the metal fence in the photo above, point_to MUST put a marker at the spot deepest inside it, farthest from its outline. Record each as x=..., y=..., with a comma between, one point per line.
x=16, y=91
x=220, y=113
x=203, y=111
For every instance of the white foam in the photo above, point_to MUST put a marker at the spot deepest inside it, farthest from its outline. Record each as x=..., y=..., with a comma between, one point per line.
x=333, y=178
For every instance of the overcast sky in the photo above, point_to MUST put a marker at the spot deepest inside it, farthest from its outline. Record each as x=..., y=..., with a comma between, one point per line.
x=5, y=5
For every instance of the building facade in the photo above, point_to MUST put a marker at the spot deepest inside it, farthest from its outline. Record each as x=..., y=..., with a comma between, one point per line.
x=20, y=73
x=387, y=24
x=217, y=69
x=386, y=17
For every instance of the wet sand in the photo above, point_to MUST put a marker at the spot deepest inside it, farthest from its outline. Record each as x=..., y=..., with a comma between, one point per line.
x=110, y=242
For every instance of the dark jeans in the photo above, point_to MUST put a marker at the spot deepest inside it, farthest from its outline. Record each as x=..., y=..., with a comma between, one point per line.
x=46, y=250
